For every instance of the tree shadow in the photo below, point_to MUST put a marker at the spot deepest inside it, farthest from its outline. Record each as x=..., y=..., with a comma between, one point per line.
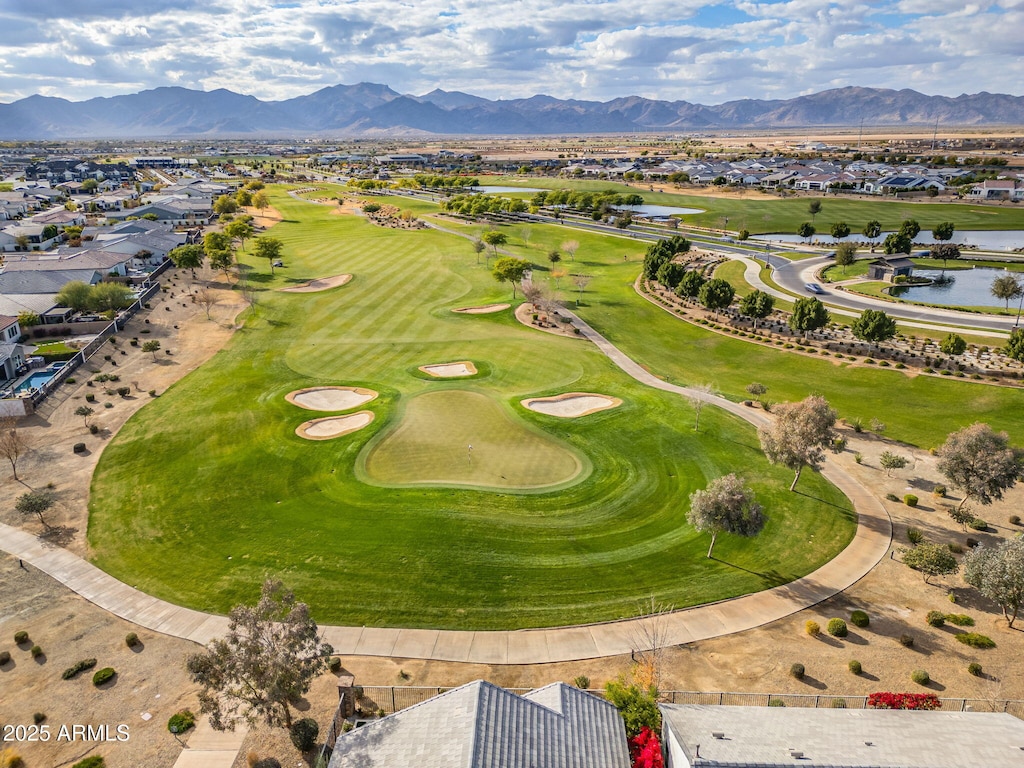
x=813, y=682
x=60, y=535
x=772, y=578
x=139, y=647
x=855, y=639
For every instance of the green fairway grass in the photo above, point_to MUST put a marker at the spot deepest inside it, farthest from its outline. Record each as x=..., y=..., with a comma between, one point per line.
x=460, y=438
x=207, y=490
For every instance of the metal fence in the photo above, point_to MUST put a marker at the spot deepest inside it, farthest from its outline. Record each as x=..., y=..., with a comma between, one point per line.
x=331, y=736
x=391, y=699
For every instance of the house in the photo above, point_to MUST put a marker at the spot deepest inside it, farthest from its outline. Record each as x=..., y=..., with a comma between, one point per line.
x=903, y=183
x=888, y=268
x=998, y=189
x=480, y=725
x=768, y=737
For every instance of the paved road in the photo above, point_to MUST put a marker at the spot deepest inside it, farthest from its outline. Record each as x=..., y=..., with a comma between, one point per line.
x=870, y=544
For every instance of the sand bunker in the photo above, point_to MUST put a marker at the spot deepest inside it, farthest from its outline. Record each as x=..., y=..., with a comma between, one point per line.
x=320, y=284
x=333, y=426
x=450, y=370
x=330, y=398
x=572, y=404
x=484, y=310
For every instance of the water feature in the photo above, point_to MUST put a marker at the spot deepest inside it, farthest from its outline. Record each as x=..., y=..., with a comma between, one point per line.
x=961, y=288
x=662, y=210
x=989, y=240
x=488, y=190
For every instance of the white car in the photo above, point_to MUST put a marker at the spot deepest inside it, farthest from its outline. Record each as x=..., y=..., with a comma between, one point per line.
x=814, y=288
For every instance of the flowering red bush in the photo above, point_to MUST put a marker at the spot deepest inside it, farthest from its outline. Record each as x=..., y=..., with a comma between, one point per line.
x=645, y=750
x=887, y=700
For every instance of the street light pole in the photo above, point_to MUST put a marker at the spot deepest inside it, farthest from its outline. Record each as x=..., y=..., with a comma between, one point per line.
x=1020, y=305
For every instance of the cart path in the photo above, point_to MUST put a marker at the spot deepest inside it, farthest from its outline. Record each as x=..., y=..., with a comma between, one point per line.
x=530, y=646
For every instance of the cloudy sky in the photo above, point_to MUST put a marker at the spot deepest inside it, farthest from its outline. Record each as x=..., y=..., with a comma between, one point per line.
x=598, y=49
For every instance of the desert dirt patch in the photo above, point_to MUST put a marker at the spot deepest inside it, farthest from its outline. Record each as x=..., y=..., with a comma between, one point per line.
x=486, y=309
x=266, y=218
x=334, y=426
x=545, y=322
x=318, y=284
x=330, y=398
x=450, y=370
x=572, y=404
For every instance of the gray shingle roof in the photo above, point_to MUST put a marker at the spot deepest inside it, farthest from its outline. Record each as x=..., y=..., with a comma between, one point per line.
x=480, y=725
x=756, y=737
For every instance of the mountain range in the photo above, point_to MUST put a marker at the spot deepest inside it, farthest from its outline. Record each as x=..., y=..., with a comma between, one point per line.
x=368, y=109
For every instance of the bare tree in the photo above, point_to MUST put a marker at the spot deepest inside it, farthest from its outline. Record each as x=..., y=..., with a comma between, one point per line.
x=532, y=292
x=570, y=247
x=207, y=299
x=699, y=396
x=12, y=443
x=249, y=294
x=649, y=637
x=581, y=282
x=799, y=434
x=725, y=506
x=980, y=462
x=269, y=658
x=525, y=233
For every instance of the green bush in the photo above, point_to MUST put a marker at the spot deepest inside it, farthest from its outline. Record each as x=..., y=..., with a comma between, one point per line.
x=907, y=641
x=38, y=717
x=582, y=682
x=36, y=651
x=978, y=524
x=960, y=619
x=104, y=675
x=910, y=500
x=837, y=628
x=936, y=618
x=797, y=671
x=78, y=668
x=131, y=640
x=914, y=535
x=975, y=640
x=940, y=491
x=638, y=707
x=20, y=638
x=334, y=664
x=892, y=497
x=855, y=667
x=838, y=704
x=974, y=668
x=93, y=761
x=955, y=548
x=776, y=703
x=859, y=619
x=1014, y=519
x=90, y=398
x=181, y=721
x=79, y=448
x=5, y=658
x=812, y=628
x=304, y=733
x=920, y=677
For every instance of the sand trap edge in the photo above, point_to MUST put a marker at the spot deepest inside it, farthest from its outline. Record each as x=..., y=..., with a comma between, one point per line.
x=318, y=284
x=468, y=363
x=614, y=402
x=484, y=309
x=301, y=430
x=290, y=397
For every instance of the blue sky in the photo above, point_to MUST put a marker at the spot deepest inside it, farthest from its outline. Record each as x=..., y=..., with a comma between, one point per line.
x=599, y=49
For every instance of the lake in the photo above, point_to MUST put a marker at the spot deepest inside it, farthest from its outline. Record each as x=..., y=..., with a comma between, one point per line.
x=969, y=288
x=989, y=240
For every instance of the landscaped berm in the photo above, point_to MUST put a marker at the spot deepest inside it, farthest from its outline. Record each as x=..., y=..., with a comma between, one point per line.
x=571, y=404
x=544, y=521
x=456, y=437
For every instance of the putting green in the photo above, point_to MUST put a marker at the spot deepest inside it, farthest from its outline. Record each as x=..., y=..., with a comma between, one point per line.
x=463, y=438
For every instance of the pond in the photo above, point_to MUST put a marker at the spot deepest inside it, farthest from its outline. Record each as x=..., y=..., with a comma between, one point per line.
x=963, y=288
x=989, y=240
x=662, y=210
x=504, y=190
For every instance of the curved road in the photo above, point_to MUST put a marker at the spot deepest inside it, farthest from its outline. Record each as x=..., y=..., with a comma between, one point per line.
x=533, y=646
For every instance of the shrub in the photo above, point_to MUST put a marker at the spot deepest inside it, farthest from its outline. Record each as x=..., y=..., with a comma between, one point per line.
x=1014, y=519
x=975, y=640
x=582, y=682
x=910, y=500
x=838, y=704
x=79, y=448
x=859, y=458
x=892, y=497
x=103, y=676
x=914, y=535
x=131, y=640
x=920, y=677
x=776, y=703
x=90, y=398
x=837, y=628
x=93, y=429
x=978, y=524
x=797, y=671
x=124, y=391
x=859, y=619
x=960, y=619
x=907, y=641
x=20, y=638
x=887, y=700
x=854, y=666
x=955, y=548
x=267, y=762
x=38, y=717
x=334, y=664
x=637, y=705
x=78, y=668
x=972, y=543
x=304, y=733
x=36, y=651
x=181, y=721
x=812, y=628
x=940, y=491
x=70, y=380
x=936, y=618
x=92, y=761
x=5, y=658
x=974, y=668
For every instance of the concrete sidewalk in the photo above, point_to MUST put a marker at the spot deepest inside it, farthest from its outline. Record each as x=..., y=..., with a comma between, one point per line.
x=870, y=544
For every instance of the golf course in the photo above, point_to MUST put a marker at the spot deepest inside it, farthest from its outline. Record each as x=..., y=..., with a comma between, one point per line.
x=455, y=505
